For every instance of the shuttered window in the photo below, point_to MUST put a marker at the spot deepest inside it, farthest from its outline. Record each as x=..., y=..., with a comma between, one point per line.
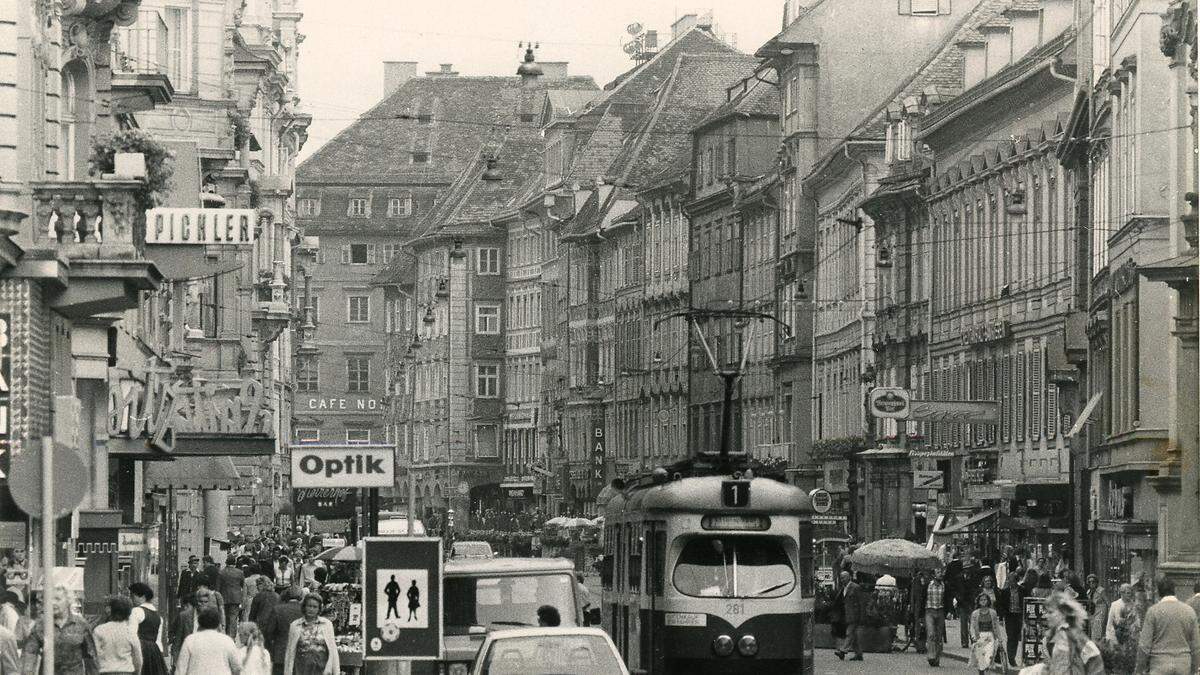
x=1036, y=386
x=1052, y=416
x=1006, y=409
x=990, y=393
x=1019, y=378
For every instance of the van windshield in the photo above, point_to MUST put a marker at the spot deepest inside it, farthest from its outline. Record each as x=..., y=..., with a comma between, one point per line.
x=507, y=601
x=734, y=567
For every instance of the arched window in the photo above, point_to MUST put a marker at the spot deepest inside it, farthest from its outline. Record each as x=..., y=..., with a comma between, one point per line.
x=75, y=121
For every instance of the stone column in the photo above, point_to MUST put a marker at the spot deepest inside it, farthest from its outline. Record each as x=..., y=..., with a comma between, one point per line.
x=216, y=513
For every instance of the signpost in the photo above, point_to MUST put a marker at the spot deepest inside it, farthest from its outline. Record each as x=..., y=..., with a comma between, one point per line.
x=343, y=466
x=402, y=598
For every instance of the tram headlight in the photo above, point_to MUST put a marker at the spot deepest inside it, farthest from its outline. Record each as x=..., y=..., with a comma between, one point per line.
x=747, y=646
x=723, y=645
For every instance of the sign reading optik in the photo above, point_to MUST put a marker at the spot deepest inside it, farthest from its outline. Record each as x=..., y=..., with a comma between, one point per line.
x=347, y=466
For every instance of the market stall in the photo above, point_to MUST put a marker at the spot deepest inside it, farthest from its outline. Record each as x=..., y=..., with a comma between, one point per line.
x=343, y=603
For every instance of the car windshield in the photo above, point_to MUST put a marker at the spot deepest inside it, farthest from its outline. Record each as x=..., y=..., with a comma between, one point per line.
x=473, y=549
x=734, y=567
x=504, y=602
x=551, y=655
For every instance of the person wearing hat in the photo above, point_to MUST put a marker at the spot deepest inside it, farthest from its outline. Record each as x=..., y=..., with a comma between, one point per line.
x=189, y=579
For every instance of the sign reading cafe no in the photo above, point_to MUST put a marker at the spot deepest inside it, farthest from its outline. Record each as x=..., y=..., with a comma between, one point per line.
x=158, y=409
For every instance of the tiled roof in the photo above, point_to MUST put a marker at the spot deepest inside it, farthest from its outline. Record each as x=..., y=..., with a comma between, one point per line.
x=626, y=104
x=462, y=113
x=752, y=97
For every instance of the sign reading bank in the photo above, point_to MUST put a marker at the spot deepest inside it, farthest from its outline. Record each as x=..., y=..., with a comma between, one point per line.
x=200, y=226
x=345, y=466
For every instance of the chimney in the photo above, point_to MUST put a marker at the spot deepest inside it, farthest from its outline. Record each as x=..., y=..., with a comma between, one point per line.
x=396, y=73
x=554, y=70
x=444, y=70
x=683, y=25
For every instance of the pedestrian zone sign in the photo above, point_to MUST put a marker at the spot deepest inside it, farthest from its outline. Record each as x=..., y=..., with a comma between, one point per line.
x=402, y=598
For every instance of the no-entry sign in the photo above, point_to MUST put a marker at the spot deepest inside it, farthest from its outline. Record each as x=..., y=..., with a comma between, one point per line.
x=346, y=466
x=402, y=598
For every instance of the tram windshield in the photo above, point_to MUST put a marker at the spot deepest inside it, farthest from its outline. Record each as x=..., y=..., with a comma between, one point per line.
x=734, y=567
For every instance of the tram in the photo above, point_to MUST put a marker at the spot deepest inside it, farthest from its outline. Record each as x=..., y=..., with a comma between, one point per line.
x=708, y=568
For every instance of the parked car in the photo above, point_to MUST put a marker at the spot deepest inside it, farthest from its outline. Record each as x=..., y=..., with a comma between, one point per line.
x=464, y=550
x=549, y=651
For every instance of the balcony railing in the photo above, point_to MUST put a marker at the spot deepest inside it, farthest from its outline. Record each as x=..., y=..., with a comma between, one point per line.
x=83, y=219
x=142, y=47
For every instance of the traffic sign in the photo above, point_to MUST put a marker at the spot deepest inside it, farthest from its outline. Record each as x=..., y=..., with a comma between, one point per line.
x=352, y=466
x=889, y=402
x=928, y=480
x=402, y=598
x=70, y=479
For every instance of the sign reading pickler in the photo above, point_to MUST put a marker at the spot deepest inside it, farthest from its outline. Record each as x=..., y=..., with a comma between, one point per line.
x=348, y=466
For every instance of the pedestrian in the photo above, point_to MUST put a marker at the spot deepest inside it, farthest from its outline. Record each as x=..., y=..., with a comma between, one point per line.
x=1097, y=608
x=1170, y=638
x=1120, y=614
x=9, y=616
x=1045, y=585
x=208, y=596
x=970, y=583
x=312, y=649
x=252, y=653
x=118, y=651
x=249, y=587
x=1067, y=650
x=10, y=656
x=211, y=573
x=231, y=580
x=74, y=645
x=953, y=581
x=208, y=651
x=916, y=612
x=1014, y=613
x=284, y=574
x=988, y=588
x=277, y=626
x=983, y=625
x=308, y=573
x=585, y=596
x=935, y=617
x=264, y=601
x=146, y=622
x=189, y=579
x=852, y=611
x=1194, y=601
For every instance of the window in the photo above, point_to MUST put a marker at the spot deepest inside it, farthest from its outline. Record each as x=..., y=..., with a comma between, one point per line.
x=486, y=441
x=358, y=373
x=488, y=261
x=178, y=48
x=358, y=436
x=734, y=567
x=308, y=207
x=316, y=308
x=400, y=206
x=360, y=254
x=487, y=381
x=357, y=208
x=923, y=7
x=389, y=251
x=420, y=158
x=487, y=319
x=308, y=435
x=307, y=375
x=358, y=308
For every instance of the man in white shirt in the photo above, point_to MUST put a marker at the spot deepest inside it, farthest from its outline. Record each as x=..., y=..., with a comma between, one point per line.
x=1115, y=610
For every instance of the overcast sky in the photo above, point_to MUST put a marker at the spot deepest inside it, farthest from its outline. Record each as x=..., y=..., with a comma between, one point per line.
x=341, y=59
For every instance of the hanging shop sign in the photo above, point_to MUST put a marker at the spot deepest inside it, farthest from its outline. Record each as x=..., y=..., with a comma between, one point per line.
x=200, y=226
x=960, y=412
x=338, y=404
x=821, y=500
x=5, y=393
x=928, y=480
x=164, y=412
x=889, y=402
x=347, y=466
x=986, y=332
x=325, y=503
x=599, y=453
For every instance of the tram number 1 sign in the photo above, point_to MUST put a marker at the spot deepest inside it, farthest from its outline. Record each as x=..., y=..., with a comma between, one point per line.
x=735, y=493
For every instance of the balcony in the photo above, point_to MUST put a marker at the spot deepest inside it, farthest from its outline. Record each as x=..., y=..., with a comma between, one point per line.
x=139, y=61
x=89, y=236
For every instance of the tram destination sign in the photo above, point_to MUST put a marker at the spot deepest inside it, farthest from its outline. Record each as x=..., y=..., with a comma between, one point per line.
x=735, y=493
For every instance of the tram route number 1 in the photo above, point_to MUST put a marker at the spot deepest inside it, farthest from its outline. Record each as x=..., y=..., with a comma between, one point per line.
x=735, y=493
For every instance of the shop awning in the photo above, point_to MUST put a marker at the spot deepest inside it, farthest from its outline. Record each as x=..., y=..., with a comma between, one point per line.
x=972, y=524
x=194, y=473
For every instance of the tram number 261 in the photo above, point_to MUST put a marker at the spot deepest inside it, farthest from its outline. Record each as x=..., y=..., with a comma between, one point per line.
x=735, y=493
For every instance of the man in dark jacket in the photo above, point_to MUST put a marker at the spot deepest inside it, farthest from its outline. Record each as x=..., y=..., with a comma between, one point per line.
x=278, y=622
x=212, y=572
x=231, y=581
x=264, y=601
x=852, y=609
x=969, y=582
x=189, y=580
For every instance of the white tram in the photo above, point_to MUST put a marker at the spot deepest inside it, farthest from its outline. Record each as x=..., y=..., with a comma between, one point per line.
x=709, y=574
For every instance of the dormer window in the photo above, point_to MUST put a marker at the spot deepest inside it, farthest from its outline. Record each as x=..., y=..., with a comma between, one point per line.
x=308, y=207
x=924, y=7
x=420, y=158
x=400, y=207
x=357, y=208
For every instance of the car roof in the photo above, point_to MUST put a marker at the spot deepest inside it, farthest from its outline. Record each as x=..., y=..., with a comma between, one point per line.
x=471, y=543
x=543, y=631
x=512, y=566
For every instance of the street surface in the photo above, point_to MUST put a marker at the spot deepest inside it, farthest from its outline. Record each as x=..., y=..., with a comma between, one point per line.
x=895, y=664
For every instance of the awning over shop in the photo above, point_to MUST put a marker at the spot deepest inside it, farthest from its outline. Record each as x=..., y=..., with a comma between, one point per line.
x=975, y=523
x=194, y=473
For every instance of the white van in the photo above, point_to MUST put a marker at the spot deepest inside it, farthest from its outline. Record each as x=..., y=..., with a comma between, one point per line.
x=398, y=526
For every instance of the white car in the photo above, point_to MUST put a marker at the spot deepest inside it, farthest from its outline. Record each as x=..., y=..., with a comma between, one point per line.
x=571, y=650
